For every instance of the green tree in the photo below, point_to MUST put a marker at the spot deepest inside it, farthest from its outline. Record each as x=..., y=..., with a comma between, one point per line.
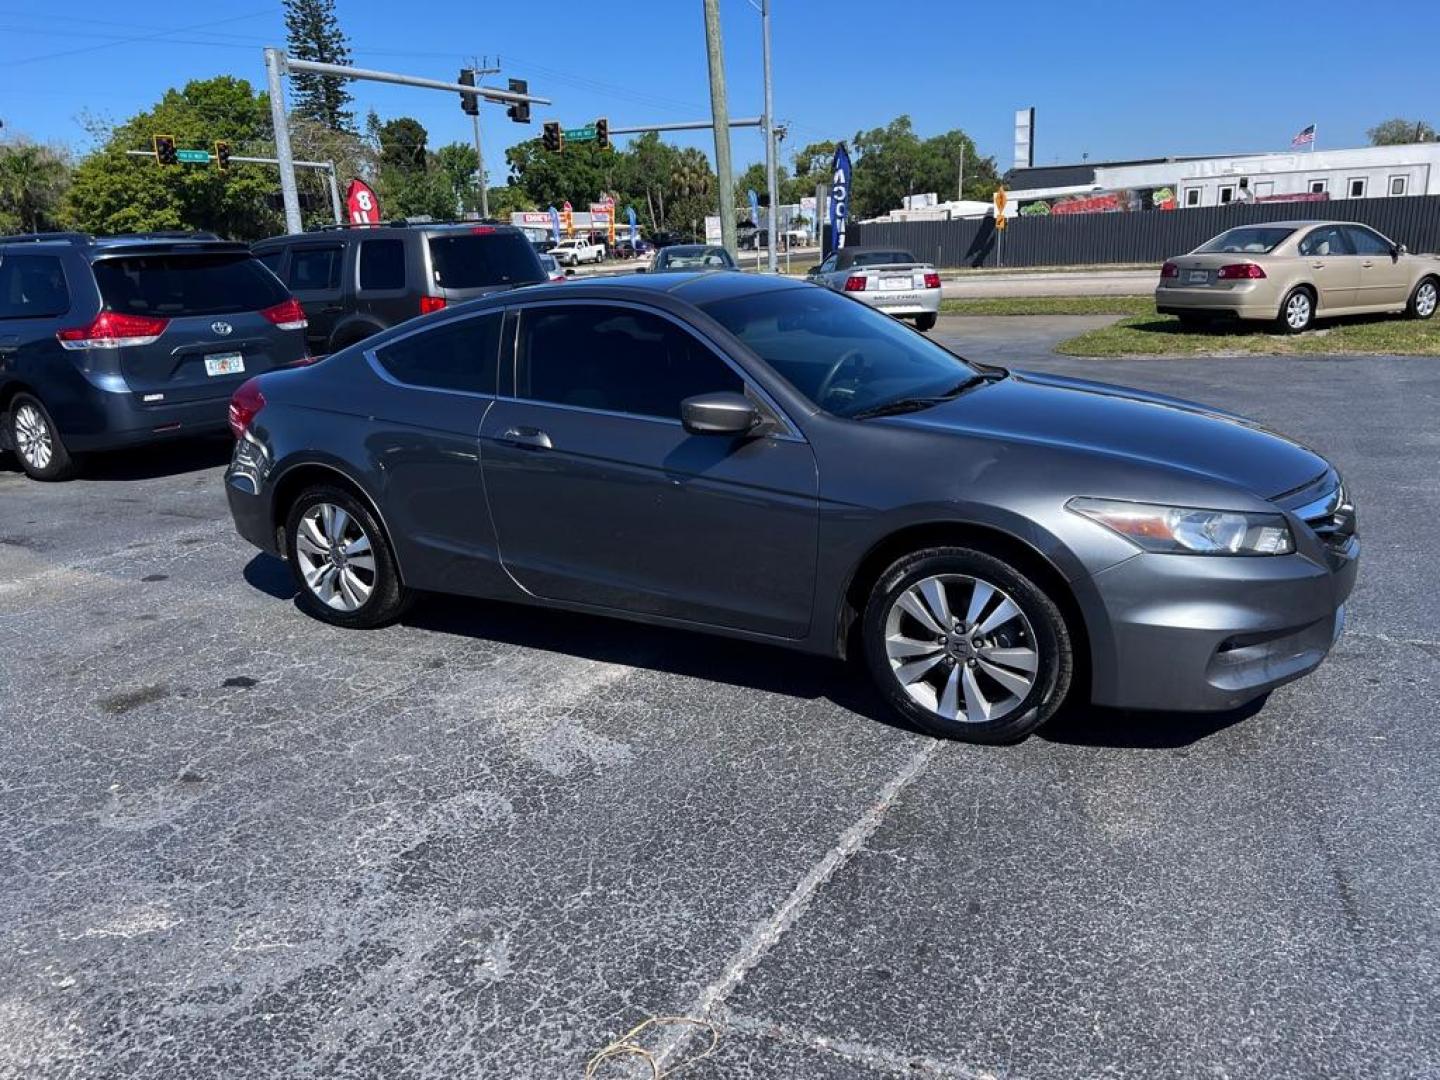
x=692, y=192
x=314, y=34
x=402, y=144
x=459, y=163
x=1398, y=131
x=893, y=162
x=940, y=159
x=813, y=161
x=580, y=173
x=507, y=199
x=111, y=192
x=646, y=171
x=33, y=179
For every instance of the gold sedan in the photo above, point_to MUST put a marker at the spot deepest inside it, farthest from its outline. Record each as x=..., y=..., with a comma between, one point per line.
x=1293, y=272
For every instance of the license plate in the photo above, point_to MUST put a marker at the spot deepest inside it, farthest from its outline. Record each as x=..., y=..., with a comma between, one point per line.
x=225, y=363
x=1198, y=277
x=900, y=282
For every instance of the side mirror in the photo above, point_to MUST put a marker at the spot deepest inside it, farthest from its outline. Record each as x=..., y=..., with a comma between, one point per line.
x=813, y=271
x=1398, y=249
x=722, y=413
x=569, y=271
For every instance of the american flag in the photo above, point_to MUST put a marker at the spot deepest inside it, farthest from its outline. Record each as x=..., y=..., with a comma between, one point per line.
x=1307, y=135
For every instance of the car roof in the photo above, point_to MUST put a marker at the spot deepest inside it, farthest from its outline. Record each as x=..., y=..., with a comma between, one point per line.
x=1299, y=223
x=155, y=243
x=393, y=229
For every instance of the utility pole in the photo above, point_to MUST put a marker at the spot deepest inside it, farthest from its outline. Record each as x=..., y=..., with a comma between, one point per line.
x=280, y=121
x=720, y=116
x=960, y=175
x=475, y=121
x=769, y=136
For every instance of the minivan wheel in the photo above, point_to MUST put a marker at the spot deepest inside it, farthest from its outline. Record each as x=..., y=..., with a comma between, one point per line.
x=1424, y=299
x=343, y=566
x=1297, y=311
x=966, y=647
x=37, y=441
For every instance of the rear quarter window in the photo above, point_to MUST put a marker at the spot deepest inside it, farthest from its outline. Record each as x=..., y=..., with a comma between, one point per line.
x=178, y=284
x=477, y=260
x=32, y=287
x=459, y=355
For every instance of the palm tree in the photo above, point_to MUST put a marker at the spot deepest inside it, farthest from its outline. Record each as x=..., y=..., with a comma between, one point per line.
x=32, y=180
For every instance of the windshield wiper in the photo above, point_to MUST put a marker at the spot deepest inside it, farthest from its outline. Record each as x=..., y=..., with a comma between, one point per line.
x=914, y=404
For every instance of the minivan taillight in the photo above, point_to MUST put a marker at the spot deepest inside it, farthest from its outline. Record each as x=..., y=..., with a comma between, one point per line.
x=431, y=303
x=287, y=315
x=1169, y=270
x=245, y=405
x=113, y=330
x=855, y=283
x=1240, y=271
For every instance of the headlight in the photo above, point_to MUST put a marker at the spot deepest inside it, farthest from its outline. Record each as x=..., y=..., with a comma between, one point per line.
x=1183, y=530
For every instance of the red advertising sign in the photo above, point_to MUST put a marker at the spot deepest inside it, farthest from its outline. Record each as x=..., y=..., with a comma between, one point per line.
x=362, y=204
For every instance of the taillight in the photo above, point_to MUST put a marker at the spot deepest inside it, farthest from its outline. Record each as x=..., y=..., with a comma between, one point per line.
x=1170, y=270
x=932, y=281
x=113, y=330
x=1240, y=271
x=855, y=283
x=287, y=315
x=245, y=405
x=431, y=303
x=483, y=230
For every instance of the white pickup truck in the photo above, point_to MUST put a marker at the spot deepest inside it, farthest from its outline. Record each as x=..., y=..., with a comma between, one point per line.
x=578, y=250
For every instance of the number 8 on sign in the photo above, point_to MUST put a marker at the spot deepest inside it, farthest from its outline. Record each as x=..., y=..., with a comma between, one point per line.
x=362, y=204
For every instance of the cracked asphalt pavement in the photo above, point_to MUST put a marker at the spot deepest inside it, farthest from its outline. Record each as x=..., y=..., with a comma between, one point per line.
x=235, y=842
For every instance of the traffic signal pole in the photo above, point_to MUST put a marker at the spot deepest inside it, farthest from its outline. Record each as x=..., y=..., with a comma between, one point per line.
x=277, y=65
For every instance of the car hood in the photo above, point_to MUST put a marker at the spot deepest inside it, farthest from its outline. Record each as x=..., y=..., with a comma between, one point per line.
x=1118, y=422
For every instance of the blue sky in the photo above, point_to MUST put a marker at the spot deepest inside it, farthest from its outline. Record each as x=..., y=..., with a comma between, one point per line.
x=1114, y=79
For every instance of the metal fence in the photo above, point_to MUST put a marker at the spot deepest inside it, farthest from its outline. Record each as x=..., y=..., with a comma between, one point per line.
x=1146, y=236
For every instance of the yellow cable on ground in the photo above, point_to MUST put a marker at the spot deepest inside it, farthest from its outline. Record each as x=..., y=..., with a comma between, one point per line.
x=626, y=1047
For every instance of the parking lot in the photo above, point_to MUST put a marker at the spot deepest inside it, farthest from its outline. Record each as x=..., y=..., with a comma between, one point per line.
x=488, y=841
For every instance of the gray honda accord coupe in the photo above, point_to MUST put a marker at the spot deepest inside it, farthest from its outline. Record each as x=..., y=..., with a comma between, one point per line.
x=771, y=460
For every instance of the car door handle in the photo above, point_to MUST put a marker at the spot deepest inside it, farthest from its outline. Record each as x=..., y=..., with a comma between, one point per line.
x=530, y=437
x=1367, y=263
x=332, y=309
x=1318, y=265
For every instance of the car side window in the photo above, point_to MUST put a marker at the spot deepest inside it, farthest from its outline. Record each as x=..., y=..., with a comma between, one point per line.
x=462, y=354
x=829, y=264
x=32, y=287
x=616, y=359
x=315, y=269
x=271, y=260
x=1326, y=240
x=382, y=264
x=1366, y=242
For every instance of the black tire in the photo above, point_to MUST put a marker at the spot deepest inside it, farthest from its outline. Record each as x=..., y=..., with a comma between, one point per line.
x=1425, y=299
x=1303, y=317
x=387, y=598
x=26, y=420
x=925, y=323
x=1046, y=636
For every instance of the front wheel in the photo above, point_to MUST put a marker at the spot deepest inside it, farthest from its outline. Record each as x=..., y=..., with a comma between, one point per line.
x=343, y=566
x=1297, y=311
x=1424, y=299
x=37, y=441
x=966, y=647
x=925, y=322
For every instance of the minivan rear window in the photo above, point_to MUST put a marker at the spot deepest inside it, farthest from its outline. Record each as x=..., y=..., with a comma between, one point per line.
x=173, y=284
x=477, y=260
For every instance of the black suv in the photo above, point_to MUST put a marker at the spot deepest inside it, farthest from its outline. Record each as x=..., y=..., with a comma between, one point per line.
x=354, y=281
x=113, y=341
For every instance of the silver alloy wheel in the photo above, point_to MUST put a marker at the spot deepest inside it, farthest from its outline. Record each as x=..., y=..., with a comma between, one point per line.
x=1297, y=311
x=961, y=648
x=335, y=557
x=32, y=436
x=1425, y=299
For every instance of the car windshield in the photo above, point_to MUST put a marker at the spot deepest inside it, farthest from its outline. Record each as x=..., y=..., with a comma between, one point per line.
x=881, y=258
x=695, y=258
x=475, y=260
x=1251, y=239
x=845, y=357
x=169, y=285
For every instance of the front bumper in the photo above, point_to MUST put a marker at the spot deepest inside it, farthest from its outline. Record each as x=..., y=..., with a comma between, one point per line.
x=1196, y=633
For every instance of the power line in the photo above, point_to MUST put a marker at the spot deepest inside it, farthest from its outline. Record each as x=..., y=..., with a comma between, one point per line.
x=138, y=38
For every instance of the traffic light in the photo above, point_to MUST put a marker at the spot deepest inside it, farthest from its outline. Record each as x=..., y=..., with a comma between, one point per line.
x=602, y=133
x=553, y=140
x=165, y=150
x=520, y=111
x=468, y=102
x=222, y=154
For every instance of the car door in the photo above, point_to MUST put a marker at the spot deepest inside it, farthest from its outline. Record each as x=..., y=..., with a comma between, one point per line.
x=313, y=275
x=1327, y=260
x=600, y=496
x=420, y=437
x=1383, y=278
x=35, y=298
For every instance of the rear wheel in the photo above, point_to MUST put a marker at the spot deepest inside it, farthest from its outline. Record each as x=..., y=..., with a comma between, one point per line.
x=1297, y=311
x=1193, y=320
x=344, y=567
x=965, y=646
x=37, y=441
x=925, y=322
x=1424, y=299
